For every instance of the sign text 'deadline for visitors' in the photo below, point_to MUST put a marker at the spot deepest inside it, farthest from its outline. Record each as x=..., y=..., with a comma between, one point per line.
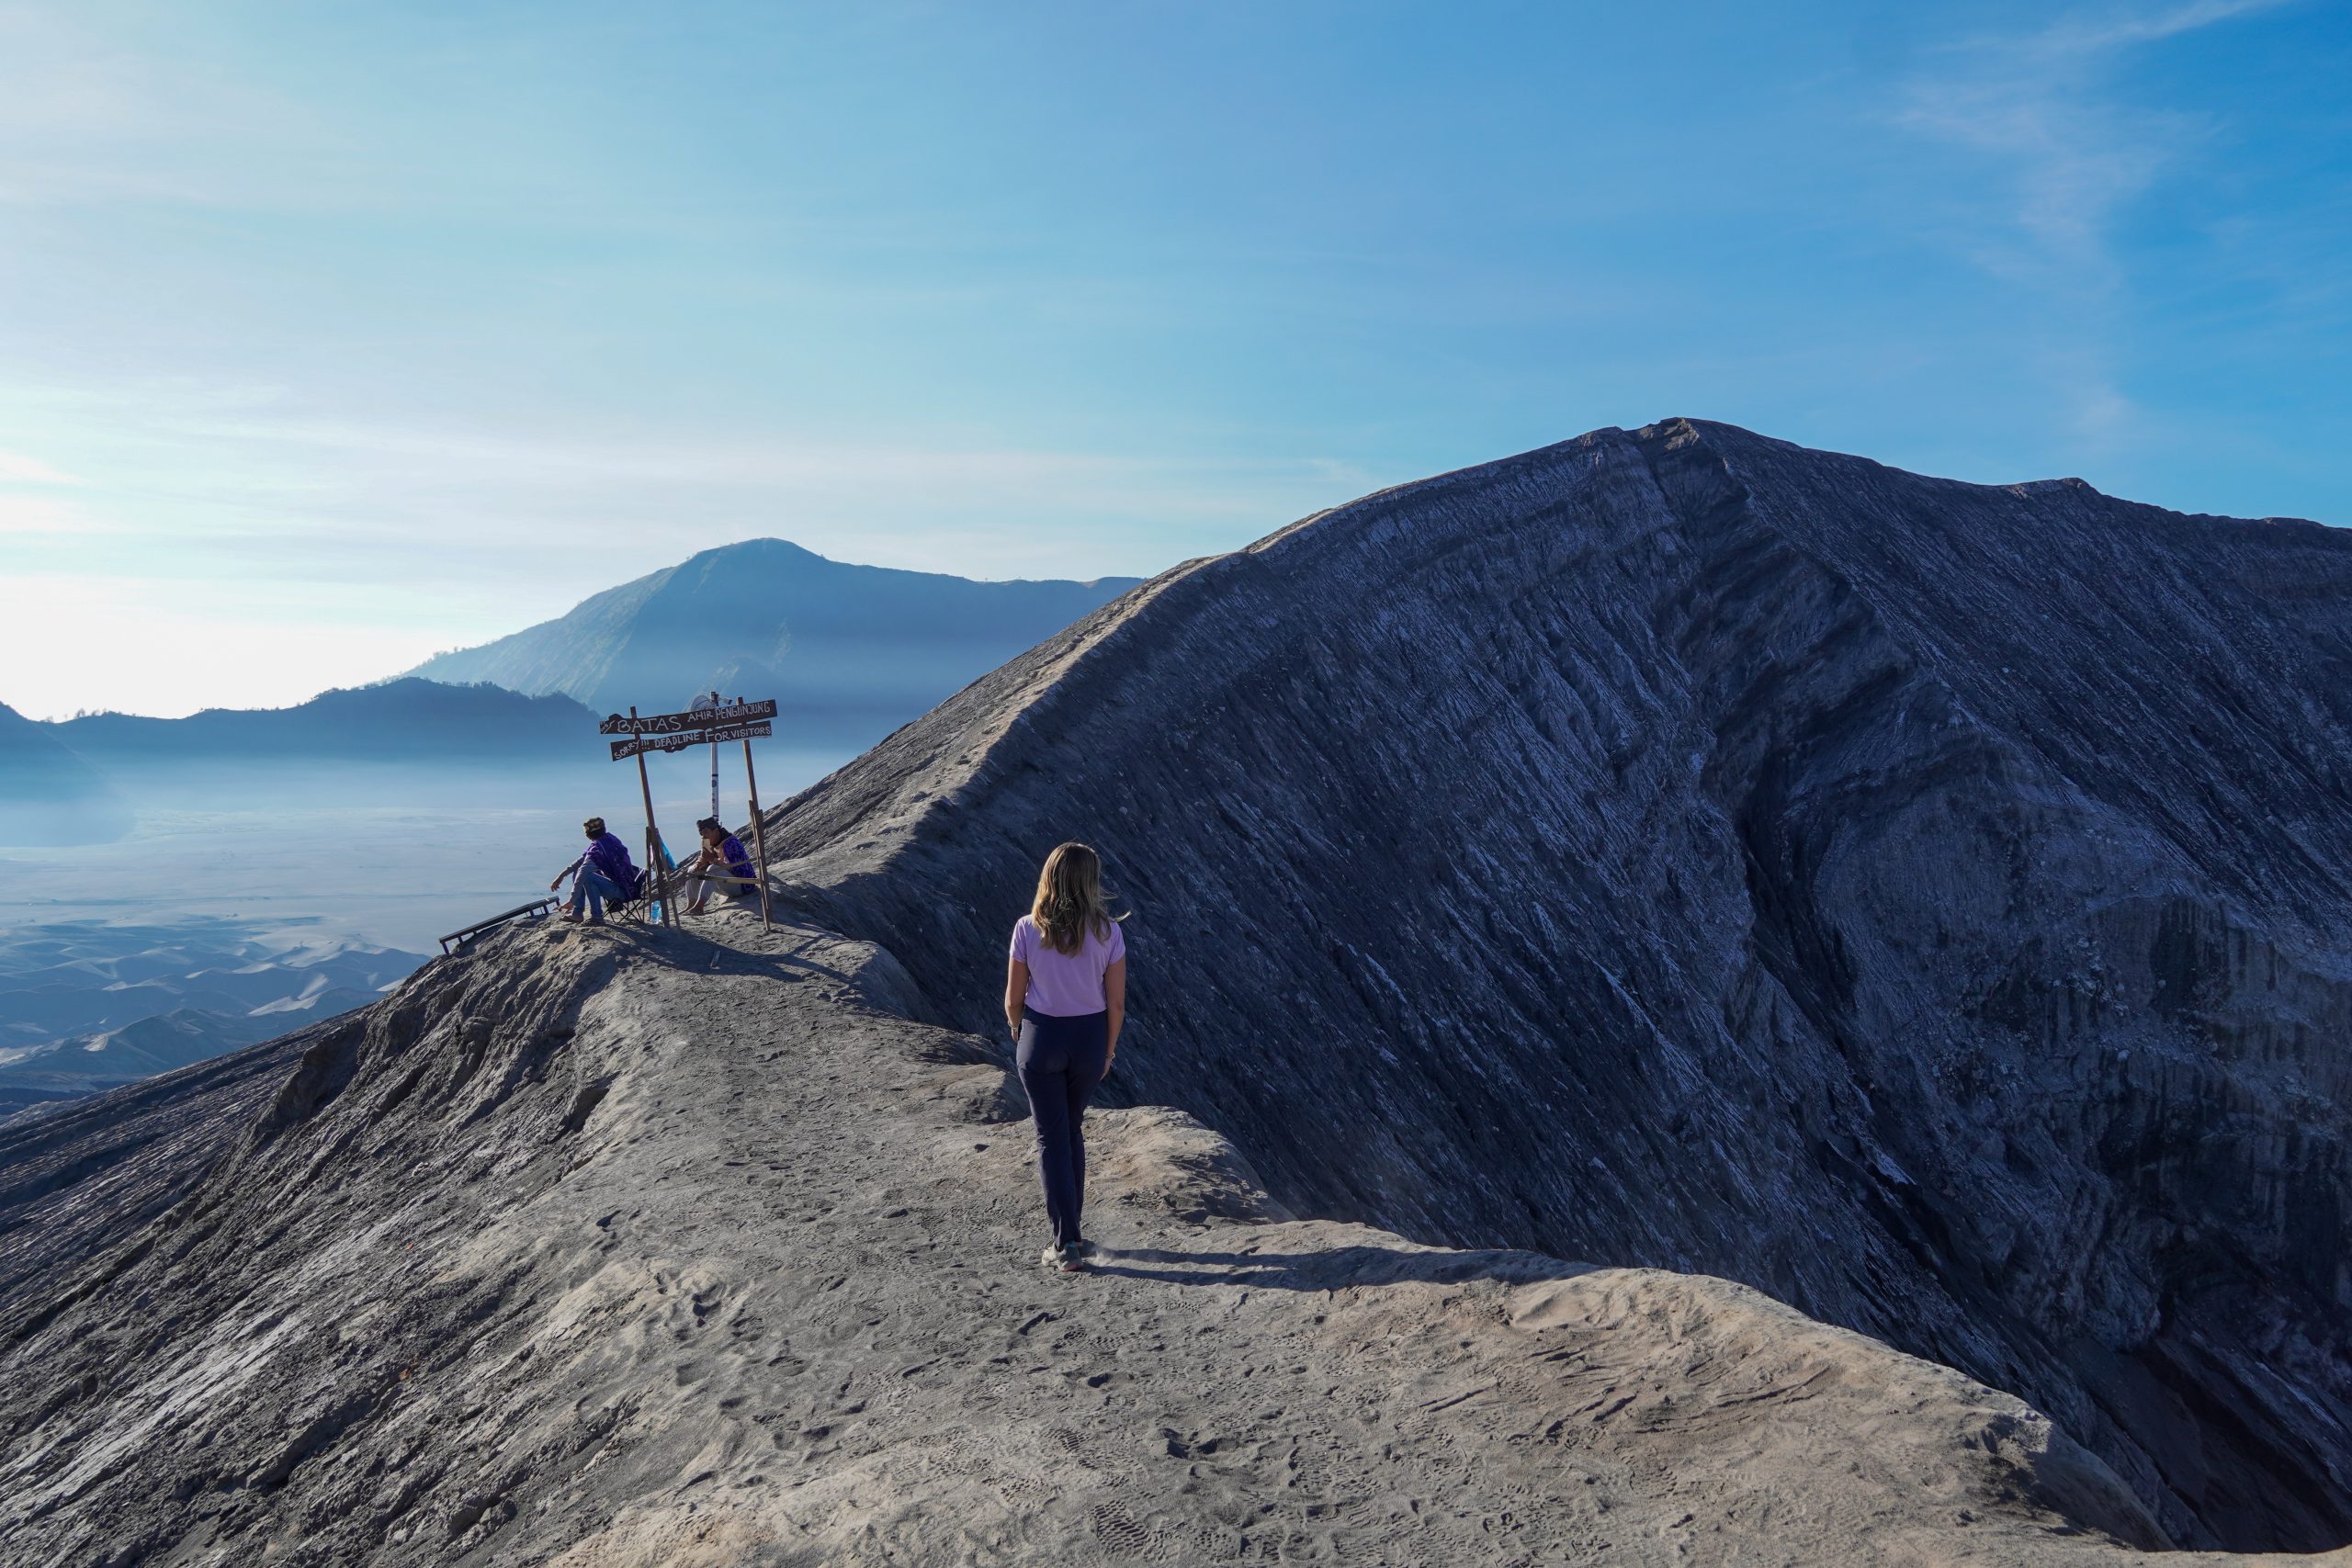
x=625, y=749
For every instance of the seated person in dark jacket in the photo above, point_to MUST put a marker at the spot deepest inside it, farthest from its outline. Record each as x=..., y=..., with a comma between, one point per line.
x=602, y=871
x=721, y=854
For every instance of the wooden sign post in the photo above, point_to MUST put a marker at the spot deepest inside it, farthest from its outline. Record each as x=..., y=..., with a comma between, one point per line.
x=737, y=720
x=653, y=856
x=759, y=834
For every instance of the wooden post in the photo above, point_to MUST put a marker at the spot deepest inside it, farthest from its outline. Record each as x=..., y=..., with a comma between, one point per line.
x=759, y=833
x=652, y=838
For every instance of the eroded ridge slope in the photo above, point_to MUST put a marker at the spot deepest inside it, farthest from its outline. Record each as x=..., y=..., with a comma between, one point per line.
x=628, y=1249
x=1921, y=900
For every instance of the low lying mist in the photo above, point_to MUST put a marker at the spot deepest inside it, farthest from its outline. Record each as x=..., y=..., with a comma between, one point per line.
x=390, y=853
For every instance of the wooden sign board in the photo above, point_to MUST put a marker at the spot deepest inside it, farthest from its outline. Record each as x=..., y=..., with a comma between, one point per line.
x=623, y=750
x=680, y=723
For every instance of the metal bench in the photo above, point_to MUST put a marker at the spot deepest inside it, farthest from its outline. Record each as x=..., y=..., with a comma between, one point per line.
x=535, y=909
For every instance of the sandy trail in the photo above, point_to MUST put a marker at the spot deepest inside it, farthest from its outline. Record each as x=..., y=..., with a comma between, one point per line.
x=874, y=1368
x=739, y=1267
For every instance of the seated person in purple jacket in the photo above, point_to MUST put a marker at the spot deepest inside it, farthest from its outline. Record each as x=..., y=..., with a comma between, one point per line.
x=604, y=871
x=720, y=851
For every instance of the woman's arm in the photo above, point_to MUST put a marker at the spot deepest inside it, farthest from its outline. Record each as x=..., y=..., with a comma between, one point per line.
x=1115, y=997
x=1016, y=991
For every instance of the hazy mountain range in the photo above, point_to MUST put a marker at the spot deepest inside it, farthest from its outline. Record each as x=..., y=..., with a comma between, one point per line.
x=849, y=652
x=77, y=780
x=400, y=719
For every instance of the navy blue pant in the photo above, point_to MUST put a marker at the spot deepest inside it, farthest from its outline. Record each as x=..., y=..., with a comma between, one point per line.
x=1060, y=1061
x=594, y=886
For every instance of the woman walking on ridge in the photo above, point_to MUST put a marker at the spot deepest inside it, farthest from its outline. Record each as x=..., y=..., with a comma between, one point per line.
x=1065, y=997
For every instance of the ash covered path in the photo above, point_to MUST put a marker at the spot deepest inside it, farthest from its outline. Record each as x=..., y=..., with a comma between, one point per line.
x=626, y=1247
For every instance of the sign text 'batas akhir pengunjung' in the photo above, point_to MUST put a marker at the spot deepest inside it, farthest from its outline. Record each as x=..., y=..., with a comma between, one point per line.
x=678, y=723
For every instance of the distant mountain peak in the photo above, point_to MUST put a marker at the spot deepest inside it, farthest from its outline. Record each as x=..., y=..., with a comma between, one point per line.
x=848, y=651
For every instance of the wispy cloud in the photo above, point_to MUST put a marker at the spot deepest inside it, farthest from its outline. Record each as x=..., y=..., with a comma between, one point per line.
x=2074, y=153
x=2045, y=103
x=941, y=477
x=37, y=514
x=2087, y=35
x=85, y=118
x=230, y=479
x=30, y=504
x=20, y=468
x=368, y=546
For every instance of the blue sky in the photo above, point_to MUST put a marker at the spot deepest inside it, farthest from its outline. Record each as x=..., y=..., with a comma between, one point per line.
x=331, y=336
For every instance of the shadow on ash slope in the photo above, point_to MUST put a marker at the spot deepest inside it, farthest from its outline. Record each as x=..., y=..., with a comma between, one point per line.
x=606, y=1249
x=1923, y=901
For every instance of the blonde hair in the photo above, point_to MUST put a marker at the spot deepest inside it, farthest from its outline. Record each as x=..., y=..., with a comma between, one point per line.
x=1068, y=906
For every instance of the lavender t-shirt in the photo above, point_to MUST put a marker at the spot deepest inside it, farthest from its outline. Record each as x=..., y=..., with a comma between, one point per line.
x=1067, y=984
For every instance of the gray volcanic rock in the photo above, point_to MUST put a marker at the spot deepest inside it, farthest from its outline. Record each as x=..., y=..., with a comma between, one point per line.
x=632, y=1249
x=1923, y=901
